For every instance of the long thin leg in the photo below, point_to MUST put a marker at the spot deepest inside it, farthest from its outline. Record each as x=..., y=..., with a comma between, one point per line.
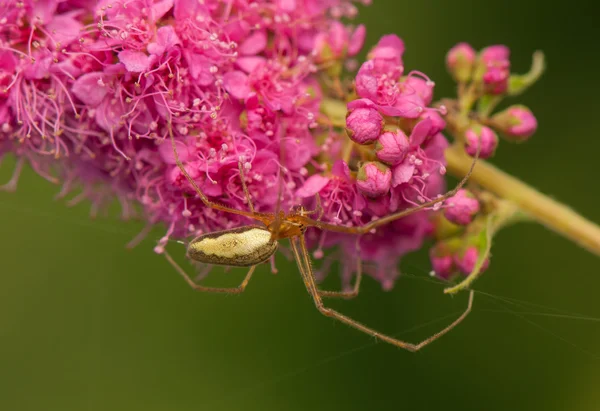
x=264, y=218
x=356, y=288
x=233, y=290
x=301, y=254
x=318, y=207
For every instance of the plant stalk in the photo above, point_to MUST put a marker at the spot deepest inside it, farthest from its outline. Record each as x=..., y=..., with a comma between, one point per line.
x=552, y=214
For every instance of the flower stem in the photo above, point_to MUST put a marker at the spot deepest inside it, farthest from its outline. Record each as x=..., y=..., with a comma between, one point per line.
x=541, y=208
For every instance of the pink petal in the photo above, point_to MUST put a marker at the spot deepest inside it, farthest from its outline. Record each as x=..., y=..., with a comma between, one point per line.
x=189, y=9
x=200, y=68
x=402, y=173
x=361, y=103
x=341, y=170
x=44, y=10
x=249, y=64
x=161, y=8
x=254, y=44
x=134, y=61
x=286, y=5
x=64, y=28
x=166, y=152
x=312, y=186
x=165, y=39
x=357, y=40
x=108, y=114
x=40, y=68
x=236, y=84
x=89, y=89
x=420, y=132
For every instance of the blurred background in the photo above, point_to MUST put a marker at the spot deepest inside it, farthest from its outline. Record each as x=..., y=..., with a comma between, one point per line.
x=87, y=325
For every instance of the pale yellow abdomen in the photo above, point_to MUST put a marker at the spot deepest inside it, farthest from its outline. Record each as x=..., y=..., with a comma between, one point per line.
x=243, y=246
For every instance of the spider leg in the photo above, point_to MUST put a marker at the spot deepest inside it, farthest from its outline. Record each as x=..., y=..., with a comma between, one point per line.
x=232, y=290
x=318, y=207
x=356, y=288
x=302, y=259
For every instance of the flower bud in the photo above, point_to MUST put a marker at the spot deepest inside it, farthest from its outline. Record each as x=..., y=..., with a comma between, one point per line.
x=517, y=123
x=442, y=260
x=481, y=136
x=363, y=122
x=391, y=147
x=495, y=53
x=493, y=69
x=495, y=80
x=374, y=179
x=460, y=61
x=461, y=208
x=467, y=260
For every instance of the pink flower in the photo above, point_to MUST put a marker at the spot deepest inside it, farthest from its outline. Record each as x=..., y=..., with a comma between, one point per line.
x=339, y=195
x=481, y=136
x=374, y=179
x=460, y=62
x=363, y=122
x=494, y=68
x=389, y=48
x=442, y=261
x=461, y=208
x=495, y=53
x=339, y=42
x=516, y=122
x=466, y=261
x=392, y=147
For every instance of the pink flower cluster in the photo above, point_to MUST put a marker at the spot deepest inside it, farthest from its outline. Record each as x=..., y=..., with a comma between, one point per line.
x=459, y=231
x=404, y=166
x=96, y=83
x=90, y=91
x=487, y=74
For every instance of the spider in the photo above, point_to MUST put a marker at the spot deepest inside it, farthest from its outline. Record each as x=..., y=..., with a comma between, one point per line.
x=249, y=246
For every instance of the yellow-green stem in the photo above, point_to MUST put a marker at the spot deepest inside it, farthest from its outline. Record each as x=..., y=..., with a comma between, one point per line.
x=541, y=208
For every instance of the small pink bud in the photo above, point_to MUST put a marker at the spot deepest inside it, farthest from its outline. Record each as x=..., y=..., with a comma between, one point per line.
x=483, y=135
x=363, y=122
x=442, y=261
x=374, y=179
x=495, y=79
x=466, y=262
x=391, y=147
x=493, y=69
x=517, y=123
x=460, y=61
x=494, y=53
x=461, y=208
x=442, y=266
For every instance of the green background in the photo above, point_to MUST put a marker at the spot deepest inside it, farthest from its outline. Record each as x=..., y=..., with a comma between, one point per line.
x=88, y=325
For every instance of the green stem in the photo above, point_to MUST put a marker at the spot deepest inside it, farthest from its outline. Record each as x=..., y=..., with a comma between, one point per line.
x=541, y=208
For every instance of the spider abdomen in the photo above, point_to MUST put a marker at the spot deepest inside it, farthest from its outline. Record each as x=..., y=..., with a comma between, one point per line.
x=243, y=247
